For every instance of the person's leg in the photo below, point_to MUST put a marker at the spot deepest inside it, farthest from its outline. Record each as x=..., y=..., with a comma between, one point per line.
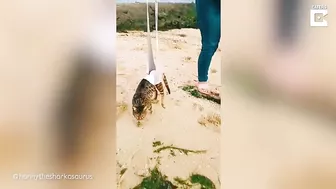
x=286, y=71
x=208, y=19
x=287, y=27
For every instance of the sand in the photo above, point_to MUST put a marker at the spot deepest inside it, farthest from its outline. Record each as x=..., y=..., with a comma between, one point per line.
x=181, y=123
x=269, y=144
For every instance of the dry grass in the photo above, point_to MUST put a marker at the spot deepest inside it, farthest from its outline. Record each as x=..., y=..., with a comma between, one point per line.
x=212, y=70
x=210, y=119
x=188, y=59
x=176, y=46
x=182, y=35
x=121, y=108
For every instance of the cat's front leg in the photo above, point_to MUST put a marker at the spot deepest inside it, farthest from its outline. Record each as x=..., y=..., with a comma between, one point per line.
x=155, y=100
x=150, y=108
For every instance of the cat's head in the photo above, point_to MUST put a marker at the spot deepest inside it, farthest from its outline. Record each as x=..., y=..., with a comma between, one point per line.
x=139, y=109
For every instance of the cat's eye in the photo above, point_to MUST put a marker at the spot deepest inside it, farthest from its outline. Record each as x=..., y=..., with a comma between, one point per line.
x=134, y=108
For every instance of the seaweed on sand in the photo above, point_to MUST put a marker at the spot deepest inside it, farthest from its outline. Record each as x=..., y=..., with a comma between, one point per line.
x=204, y=181
x=161, y=147
x=156, y=180
x=194, y=92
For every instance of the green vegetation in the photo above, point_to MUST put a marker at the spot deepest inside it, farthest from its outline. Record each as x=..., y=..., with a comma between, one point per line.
x=123, y=171
x=194, y=92
x=156, y=180
x=161, y=147
x=204, y=181
x=181, y=150
x=171, y=16
x=157, y=143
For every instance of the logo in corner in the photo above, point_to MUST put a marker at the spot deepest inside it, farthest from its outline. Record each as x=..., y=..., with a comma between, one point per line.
x=318, y=14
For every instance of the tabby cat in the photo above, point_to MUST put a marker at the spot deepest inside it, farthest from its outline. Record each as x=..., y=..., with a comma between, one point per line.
x=145, y=95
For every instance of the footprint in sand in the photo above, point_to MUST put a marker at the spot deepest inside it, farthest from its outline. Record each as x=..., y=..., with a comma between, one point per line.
x=138, y=49
x=198, y=107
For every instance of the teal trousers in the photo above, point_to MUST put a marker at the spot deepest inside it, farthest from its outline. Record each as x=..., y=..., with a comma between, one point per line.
x=209, y=23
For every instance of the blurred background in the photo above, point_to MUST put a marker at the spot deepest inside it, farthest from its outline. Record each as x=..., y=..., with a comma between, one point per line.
x=278, y=96
x=56, y=105
x=57, y=96
x=249, y=39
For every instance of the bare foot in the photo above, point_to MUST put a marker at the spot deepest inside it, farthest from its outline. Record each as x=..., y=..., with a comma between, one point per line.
x=203, y=88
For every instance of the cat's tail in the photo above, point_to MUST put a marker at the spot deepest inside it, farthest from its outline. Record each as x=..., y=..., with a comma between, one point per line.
x=166, y=83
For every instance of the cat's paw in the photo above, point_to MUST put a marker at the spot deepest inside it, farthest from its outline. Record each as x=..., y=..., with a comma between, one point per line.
x=150, y=110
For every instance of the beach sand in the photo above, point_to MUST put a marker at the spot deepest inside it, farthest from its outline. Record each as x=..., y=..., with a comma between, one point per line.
x=184, y=123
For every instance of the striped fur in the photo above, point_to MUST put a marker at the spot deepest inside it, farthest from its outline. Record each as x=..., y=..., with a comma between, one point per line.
x=145, y=95
x=166, y=83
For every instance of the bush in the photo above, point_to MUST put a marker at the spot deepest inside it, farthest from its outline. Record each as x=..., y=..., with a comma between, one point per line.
x=171, y=16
